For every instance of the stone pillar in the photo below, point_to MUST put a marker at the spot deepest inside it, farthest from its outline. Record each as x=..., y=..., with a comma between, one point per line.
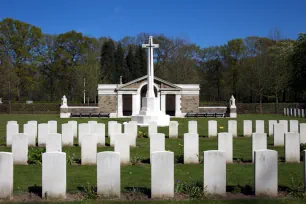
x=178, y=112
x=135, y=104
x=163, y=103
x=119, y=106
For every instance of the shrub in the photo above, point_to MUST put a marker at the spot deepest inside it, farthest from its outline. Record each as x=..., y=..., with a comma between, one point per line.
x=193, y=190
x=35, y=155
x=89, y=192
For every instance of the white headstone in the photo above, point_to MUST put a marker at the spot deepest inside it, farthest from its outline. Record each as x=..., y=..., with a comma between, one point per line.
x=20, y=148
x=67, y=134
x=11, y=129
x=157, y=142
x=83, y=129
x=35, y=123
x=6, y=175
x=99, y=130
x=130, y=129
x=111, y=128
x=92, y=124
x=162, y=174
x=193, y=126
x=89, y=149
x=54, y=142
x=259, y=142
x=299, y=113
x=271, y=124
x=288, y=112
x=285, y=123
x=214, y=172
x=122, y=145
x=294, y=112
x=266, y=172
x=247, y=128
x=303, y=113
x=43, y=131
x=260, y=126
x=108, y=174
x=291, y=112
x=52, y=126
x=279, y=135
x=232, y=127
x=212, y=128
x=117, y=130
x=303, y=133
x=74, y=124
x=294, y=126
x=292, y=147
x=285, y=112
x=225, y=144
x=12, y=121
x=54, y=175
x=191, y=148
x=173, y=129
x=152, y=128
x=29, y=129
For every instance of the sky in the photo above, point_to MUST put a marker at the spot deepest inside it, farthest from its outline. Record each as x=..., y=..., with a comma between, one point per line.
x=206, y=23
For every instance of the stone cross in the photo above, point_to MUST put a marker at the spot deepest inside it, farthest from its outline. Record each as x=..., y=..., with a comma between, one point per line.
x=150, y=46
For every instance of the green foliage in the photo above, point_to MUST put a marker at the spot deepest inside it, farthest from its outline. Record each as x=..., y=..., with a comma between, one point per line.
x=35, y=155
x=136, y=160
x=142, y=134
x=297, y=188
x=89, y=191
x=193, y=190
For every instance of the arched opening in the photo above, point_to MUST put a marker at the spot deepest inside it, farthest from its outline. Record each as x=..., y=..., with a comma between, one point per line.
x=170, y=104
x=127, y=104
x=143, y=93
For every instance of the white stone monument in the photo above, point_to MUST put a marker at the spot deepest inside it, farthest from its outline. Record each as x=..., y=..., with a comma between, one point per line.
x=11, y=129
x=89, y=149
x=247, y=128
x=294, y=126
x=292, y=147
x=285, y=123
x=149, y=111
x=157, y=142
x=54, y=175
x=232, y=127
x=225, y=144
x=212, y=128
x=29, y=129
x=173, y=129
x=122, y=145
x=108, y=174
x=43, y=131
x=271, y=124
x=214, y=172
x=162, y=174
x=67, y=135
x=6, y=175
x=266, y=175
x=260, y=126
x=193, y=126
x=259, y=142
x=64, y=108
x=303, y=133
x=233, y=108
x=54, y=142
x=279, y=135
x=20, y=148
x=191, y=148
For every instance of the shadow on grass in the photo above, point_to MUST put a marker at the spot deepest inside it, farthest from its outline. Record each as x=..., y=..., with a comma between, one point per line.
x=37, y=190
x=240, y=160
x=141, y=190
x=179, y=159
x=145, y=161
x=246, y=190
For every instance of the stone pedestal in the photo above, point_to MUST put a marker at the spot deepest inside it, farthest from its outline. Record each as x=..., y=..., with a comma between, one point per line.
x=64, y=113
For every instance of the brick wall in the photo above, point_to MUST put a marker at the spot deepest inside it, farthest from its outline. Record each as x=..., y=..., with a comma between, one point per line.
x=190, y=103
x=108, y=103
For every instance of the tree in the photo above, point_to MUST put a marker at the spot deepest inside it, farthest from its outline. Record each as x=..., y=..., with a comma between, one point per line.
x=129, y=70
x=107, y=61
x=120, y=63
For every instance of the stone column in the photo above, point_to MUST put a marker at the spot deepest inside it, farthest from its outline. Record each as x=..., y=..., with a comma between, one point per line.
x=163, y=102
x=135, y=104
x=119, y=106
x=178, y=112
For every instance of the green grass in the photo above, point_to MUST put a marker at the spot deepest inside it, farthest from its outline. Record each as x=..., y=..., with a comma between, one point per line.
x=27, y=177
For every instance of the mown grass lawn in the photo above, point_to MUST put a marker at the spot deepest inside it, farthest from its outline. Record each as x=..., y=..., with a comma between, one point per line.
x=241, y=173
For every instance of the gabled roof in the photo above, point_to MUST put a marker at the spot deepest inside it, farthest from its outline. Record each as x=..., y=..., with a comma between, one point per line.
x=172, y=86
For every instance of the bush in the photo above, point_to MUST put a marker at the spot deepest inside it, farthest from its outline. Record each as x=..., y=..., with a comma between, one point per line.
x=193, y=190
x=35, y=155
x=89, y=192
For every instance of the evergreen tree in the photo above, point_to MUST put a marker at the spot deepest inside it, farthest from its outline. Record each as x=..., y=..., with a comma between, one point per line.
x=142, y=61
x=107, y=62
x=129, y=64
x=120, y=62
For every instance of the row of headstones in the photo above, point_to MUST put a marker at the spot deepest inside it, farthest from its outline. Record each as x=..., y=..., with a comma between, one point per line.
x=162, y=174
x=295, y=112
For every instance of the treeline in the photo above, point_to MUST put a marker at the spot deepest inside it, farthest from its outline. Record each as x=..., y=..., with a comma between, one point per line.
x=43, y=67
